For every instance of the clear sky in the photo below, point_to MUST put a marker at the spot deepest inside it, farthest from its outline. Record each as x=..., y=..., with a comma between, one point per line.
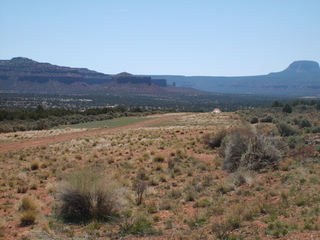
x=183, y=37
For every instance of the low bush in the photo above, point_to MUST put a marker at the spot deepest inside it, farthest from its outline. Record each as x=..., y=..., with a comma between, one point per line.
x=89, y=194
x=246, y=149
x=314, y=130
x=142, y=226
x=286, y=130
x=304, y=123
x=296, y=141
x=254, y=120
x=277, y=229
x=266, y=119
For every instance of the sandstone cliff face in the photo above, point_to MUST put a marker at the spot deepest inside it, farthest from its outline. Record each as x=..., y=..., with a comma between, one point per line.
x=24, y=69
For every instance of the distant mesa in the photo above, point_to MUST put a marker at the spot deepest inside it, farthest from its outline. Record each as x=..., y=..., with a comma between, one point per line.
x=303, y=66
x=22, y=60
x=125, y=77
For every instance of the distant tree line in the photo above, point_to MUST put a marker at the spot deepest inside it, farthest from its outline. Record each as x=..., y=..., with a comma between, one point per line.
x=287, y=107
x=40, y=118
x=40, y=112
x=176, y=102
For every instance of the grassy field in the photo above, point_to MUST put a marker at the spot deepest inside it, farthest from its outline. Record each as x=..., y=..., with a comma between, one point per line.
x=118, y=122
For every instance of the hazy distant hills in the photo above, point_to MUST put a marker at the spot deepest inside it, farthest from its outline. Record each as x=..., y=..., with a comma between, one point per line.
x=301, y=78
x=27, y=76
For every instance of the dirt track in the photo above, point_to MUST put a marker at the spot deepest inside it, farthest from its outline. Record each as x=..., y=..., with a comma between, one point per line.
x=5, y=147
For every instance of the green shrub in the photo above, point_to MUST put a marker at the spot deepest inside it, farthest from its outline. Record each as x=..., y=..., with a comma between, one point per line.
x=296, y=141
x=287, y=108
x=286, y=130
x=139, y=225
x=277, y=229
x=276, y=104
x=89, y=194
x=314, y=130
x=266, y=119
x=305, y=123
x=254, y=120
x=202, y=203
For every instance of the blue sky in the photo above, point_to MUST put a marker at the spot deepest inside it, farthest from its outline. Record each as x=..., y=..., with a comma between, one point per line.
x=183, y=37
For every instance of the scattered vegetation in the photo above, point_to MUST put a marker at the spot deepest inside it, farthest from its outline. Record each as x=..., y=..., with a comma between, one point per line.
x=203, y=175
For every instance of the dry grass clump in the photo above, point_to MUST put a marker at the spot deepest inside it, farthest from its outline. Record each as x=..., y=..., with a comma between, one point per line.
x=89, y=194
x=28, y=203
x=35, y=165
x=52, y=187
x=28, y=218
x=159, y=158
x=29, y=211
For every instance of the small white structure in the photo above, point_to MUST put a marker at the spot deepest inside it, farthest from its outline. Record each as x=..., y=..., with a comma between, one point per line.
x=216, y=110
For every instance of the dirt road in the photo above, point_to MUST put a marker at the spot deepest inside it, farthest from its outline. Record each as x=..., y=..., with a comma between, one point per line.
x=5, y=147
